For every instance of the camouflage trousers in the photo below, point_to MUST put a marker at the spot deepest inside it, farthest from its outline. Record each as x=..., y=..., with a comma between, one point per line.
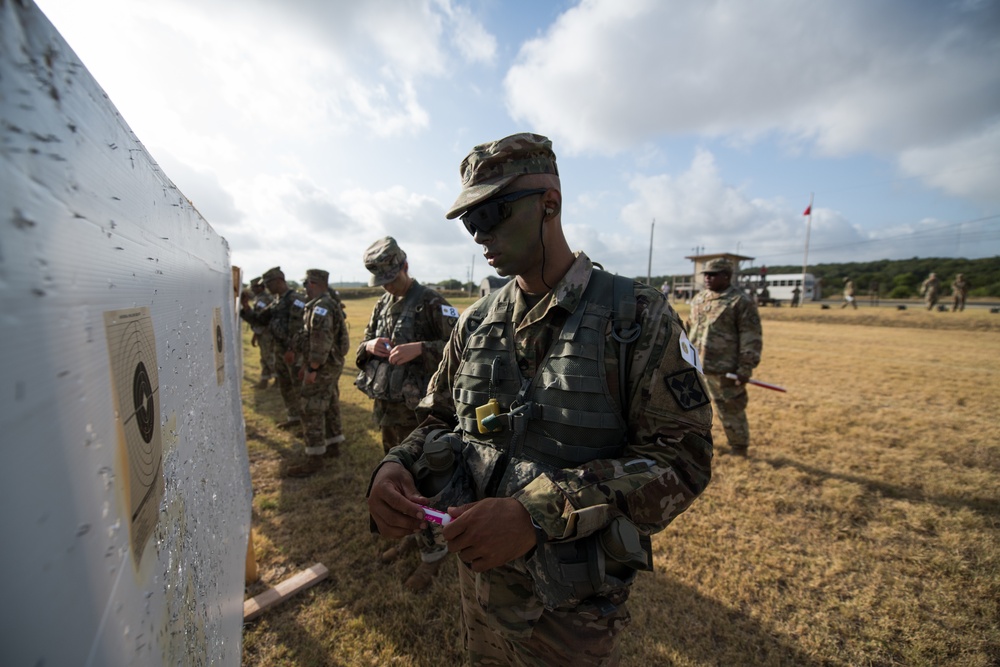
x=730, y=401
x=958, y=303
x=395, y=420
x=931, y=299
x=287, y=384
x=321, y=408
x=265, y=342
x=557, y=638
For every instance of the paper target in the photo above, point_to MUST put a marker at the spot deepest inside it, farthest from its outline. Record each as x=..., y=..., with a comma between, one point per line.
x=135, y=385
x=220, y=357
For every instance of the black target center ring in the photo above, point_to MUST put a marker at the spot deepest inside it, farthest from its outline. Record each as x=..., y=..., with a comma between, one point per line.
x=142, y=401
x=218, y=338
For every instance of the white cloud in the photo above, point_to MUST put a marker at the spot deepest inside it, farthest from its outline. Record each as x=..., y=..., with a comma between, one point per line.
x=884, y=78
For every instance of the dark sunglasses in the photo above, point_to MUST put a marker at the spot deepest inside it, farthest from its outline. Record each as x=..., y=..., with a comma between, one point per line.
x=491, y=213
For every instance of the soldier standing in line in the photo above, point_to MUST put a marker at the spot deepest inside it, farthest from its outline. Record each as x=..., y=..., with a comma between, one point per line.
x=849, y=294
x=400, y=350
x=584, y=424
x=322, y=343
x=725, y=329
x=930, y=289
x=796, y=295
x=959, y=290
x=261, y=334
x=281, y=318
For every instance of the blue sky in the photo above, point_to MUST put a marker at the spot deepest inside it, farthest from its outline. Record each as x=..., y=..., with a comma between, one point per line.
x=303, y=130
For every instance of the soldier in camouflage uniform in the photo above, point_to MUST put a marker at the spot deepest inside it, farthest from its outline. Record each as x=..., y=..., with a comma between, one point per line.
x=400, y=350
x=282, y=318
x=725, y=329
x=959, y=290
x=930, y=288
x=322, y=344
x=261, y=334
x=585, y=426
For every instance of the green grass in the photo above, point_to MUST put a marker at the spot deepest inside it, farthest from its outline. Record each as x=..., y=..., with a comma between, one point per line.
x=863, y=530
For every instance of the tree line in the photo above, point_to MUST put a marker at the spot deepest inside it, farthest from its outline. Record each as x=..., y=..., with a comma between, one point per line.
x=893, y=278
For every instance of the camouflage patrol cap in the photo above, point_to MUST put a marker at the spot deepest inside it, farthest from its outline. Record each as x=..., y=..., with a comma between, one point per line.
x=384, y=259
x=272, y=274
x=718, y=265
x=254, y=282
x=492, y=166
x=319, y=275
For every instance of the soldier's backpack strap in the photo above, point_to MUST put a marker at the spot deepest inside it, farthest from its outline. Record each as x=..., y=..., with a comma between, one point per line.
x=480, y=310
x=625, y=330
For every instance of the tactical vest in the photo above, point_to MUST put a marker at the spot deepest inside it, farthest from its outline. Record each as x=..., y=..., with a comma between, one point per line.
x=404, y=383
x=286, y=318
x=561, y=418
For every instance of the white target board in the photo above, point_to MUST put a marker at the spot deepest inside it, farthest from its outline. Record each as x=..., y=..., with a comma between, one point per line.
x=124, y=484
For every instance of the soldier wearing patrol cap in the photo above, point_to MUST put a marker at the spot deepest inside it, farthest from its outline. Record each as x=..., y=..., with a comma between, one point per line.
x=725, y=329
x=399, y=351
x=322, y=343
x=583, y=421
x=282, y=318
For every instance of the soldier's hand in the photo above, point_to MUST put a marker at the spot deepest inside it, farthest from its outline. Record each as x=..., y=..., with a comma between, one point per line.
x=405, y=353
x=379, y=347
x=489, y=532
x=289, y=357
x=742, y=379
x=308, y=376
x=253, y=341
x=391, y=502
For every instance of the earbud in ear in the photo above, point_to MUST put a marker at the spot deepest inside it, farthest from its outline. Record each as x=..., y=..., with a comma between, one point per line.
x=549, y=211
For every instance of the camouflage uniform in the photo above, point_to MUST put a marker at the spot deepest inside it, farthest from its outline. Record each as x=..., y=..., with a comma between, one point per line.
x=282, y=317
x=959, y=290
x=726, y=331
x=323, y=342
x=930, y=288
x=421, y=315
x=265, y=341
x=654, y=461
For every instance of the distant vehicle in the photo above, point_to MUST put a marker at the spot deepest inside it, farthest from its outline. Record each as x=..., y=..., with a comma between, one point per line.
x=780, y=286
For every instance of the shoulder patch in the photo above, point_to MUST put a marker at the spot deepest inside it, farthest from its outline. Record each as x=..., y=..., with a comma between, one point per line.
x=688, y=353
x=449, y=311
x=298, y=303
x=321, y=311
x=687, y=389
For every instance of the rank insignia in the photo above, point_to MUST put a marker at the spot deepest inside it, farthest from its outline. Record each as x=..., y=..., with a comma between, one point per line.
x=687, y=389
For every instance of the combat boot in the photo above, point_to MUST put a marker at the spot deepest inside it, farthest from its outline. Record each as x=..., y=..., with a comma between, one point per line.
x=404, y=546
x=422, y=576
x=304, y=468
x=739, y=450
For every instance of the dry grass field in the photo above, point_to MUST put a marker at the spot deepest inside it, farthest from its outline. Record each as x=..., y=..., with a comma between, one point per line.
x=864, y=529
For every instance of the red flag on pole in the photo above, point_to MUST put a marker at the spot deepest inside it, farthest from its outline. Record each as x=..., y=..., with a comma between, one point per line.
x=808, y=210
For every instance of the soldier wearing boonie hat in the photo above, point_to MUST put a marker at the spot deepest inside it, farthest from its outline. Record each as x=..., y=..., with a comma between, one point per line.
x=528, y=383
x=725, y=329
x=399, y=351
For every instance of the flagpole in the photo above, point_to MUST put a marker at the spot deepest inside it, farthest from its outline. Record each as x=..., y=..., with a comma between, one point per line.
x=805, y=256
x=649, y=267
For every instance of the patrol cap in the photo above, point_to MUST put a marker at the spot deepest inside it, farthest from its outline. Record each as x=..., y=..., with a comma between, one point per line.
x=384, y=259
x=272, y=274
x=319, y=275
x=718, y=265
x=255, y=281
x=492, y=166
